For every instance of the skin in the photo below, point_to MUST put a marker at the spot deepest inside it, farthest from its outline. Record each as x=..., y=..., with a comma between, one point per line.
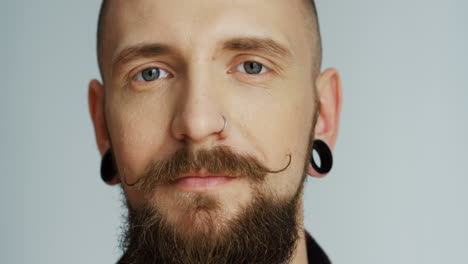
x=269, y=115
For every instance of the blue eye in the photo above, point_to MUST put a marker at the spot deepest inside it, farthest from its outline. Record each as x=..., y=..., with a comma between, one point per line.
x=150, y=74
x=251, y=67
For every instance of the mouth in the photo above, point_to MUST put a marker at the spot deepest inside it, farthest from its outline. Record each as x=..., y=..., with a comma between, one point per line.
x=200, y=182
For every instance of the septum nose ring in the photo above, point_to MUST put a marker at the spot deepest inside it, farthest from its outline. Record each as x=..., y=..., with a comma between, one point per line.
x=224, y=126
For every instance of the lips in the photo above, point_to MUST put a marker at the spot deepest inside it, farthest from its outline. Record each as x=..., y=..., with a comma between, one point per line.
x=202, y=181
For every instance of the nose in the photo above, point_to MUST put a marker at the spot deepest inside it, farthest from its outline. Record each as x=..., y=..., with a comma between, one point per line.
x=198, y=116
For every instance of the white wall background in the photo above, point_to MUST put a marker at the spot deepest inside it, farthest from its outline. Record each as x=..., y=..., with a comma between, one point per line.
x=399, y=189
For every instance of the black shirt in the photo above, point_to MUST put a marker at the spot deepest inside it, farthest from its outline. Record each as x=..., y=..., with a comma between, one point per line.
x=315, y=254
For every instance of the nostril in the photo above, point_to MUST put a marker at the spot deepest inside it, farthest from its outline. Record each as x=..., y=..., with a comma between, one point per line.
x=199, y=124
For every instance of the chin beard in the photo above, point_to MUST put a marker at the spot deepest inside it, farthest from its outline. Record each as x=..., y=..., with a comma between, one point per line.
x=266, y=231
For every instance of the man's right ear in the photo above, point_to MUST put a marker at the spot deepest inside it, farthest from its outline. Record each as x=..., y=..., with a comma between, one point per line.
x=96, y=109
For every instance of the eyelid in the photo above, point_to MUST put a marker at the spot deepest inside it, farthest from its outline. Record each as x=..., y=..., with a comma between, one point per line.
x=133, y=73
x=137, y=76
x=243, y=58
x=260, y=73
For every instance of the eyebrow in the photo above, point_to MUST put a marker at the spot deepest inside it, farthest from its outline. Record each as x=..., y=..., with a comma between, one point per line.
x=142, y=51
x=256, y=44
x=253, y=44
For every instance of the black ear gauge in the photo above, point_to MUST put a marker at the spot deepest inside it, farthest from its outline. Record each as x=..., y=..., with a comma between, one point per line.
x=326, y=157
x=108, y=170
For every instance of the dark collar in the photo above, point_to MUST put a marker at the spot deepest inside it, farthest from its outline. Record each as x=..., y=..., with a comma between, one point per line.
x=315, y=254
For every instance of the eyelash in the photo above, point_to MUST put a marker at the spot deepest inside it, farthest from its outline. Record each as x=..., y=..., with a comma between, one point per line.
x=139, y=74
x=265, y=70
x=241, y=68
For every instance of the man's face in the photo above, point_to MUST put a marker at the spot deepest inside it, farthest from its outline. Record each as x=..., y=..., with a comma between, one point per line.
x=175, y=70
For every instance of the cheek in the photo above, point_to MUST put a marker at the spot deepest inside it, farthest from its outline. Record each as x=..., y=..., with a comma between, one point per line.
x=280, y=124
x=138, y=130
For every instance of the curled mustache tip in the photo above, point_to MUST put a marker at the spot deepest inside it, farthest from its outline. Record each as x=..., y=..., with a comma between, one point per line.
x=130, y=184
x=284, y=168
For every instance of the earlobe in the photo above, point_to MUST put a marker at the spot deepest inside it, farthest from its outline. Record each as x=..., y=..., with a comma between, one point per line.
x=324, y=155
x=96, y=109
x=313, y=173
x=108, y=168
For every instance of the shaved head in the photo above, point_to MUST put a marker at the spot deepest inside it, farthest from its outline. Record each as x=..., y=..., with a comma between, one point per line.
x=313, y=26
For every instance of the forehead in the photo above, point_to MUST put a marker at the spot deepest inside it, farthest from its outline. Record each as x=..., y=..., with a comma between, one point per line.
x=198, y=26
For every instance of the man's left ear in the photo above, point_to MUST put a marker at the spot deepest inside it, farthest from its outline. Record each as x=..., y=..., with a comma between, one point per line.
x=328, y=85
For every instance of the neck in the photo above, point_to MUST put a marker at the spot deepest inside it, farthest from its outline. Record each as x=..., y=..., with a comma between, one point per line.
x=300, y=255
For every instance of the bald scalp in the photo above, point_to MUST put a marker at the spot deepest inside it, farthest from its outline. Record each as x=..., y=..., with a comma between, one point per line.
x=102, y=22
x=314, y=28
